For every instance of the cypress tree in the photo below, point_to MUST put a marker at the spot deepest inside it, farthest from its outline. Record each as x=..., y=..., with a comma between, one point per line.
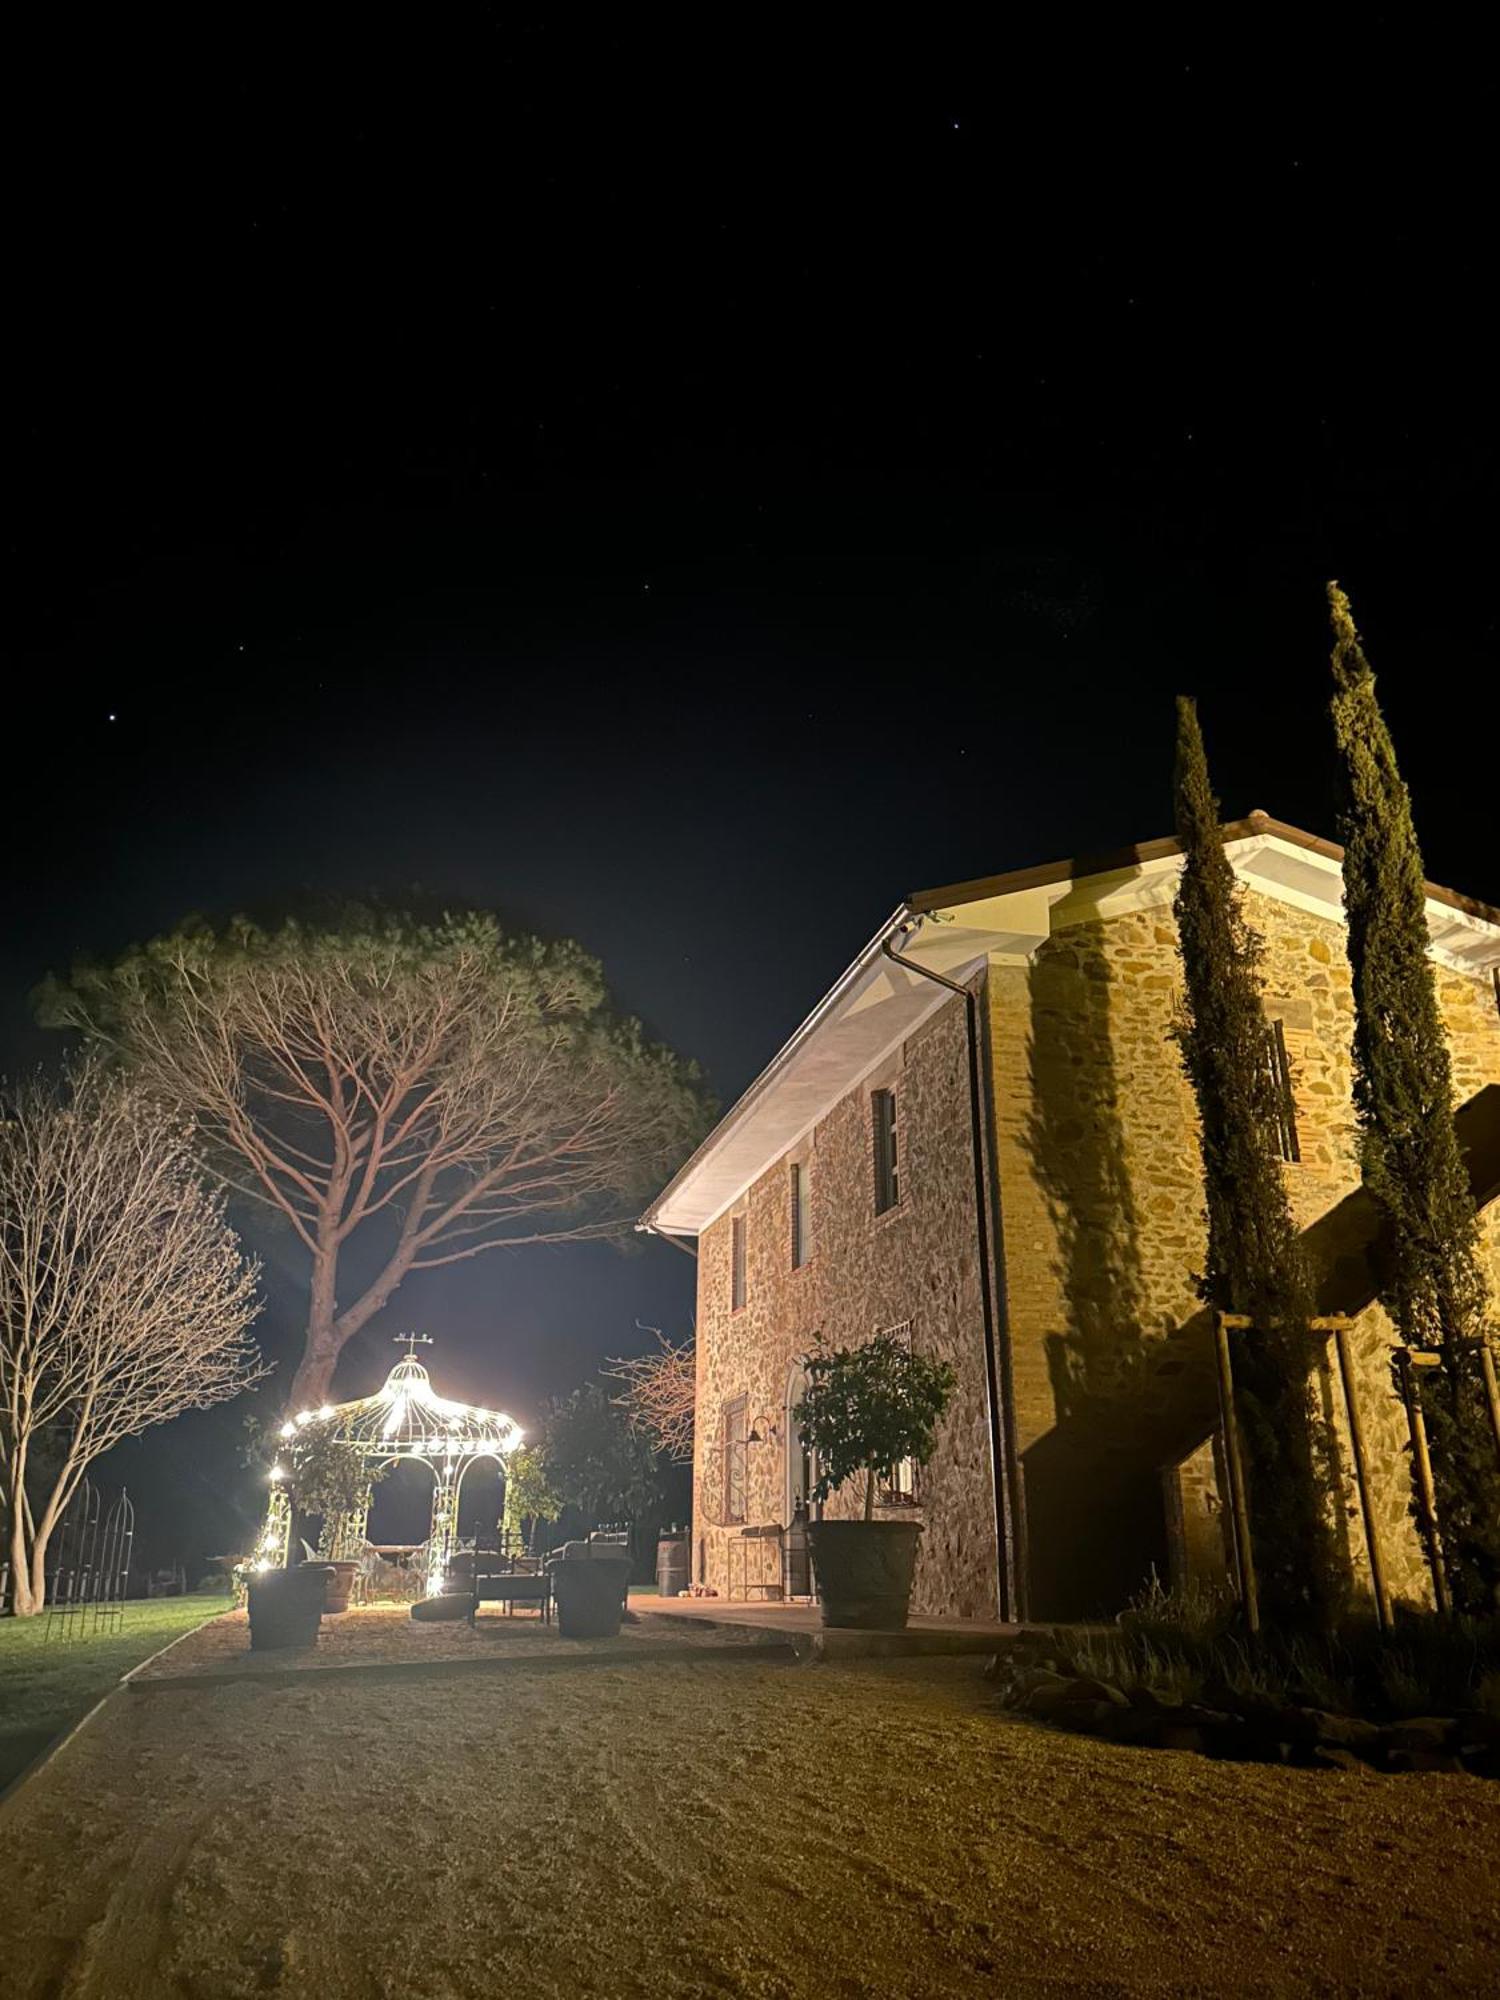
x=1254, y=1263
x=1435, y=1289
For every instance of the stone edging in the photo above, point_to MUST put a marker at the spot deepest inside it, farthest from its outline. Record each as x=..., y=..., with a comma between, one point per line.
x=1263, y=1732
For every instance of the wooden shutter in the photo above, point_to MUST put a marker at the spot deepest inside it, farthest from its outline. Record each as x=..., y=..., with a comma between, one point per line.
x=887, y=1166
x=800, y=1195
x=1280, y=1067
x=736, y=1262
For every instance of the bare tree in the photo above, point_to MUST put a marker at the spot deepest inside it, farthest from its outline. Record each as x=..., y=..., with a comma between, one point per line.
x=660, y=1394
x=435, y=1090
x=124, y=1299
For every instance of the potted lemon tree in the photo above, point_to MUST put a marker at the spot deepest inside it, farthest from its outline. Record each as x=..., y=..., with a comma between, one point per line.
x=329, y=1480
x=866, y=1410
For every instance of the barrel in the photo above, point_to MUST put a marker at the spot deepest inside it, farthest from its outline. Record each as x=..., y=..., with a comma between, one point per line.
x=671, y=1565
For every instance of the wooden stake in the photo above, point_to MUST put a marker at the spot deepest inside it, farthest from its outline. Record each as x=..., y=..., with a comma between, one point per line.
x=1243, y=1553
x=1491, y=1389
x=1425, y=1489
x=1340, y=1330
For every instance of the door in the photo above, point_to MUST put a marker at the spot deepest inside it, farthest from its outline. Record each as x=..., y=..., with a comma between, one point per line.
x=801, y=1475
x=801, y=1463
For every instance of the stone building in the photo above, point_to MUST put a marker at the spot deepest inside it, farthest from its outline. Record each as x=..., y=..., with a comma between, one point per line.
x=1021, y=1024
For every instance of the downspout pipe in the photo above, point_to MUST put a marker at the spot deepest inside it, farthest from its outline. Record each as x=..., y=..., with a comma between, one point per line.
x=1005, y=1552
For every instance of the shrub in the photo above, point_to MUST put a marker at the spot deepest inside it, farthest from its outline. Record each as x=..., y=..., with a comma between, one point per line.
x=1184, y=1645
x=867, y=1408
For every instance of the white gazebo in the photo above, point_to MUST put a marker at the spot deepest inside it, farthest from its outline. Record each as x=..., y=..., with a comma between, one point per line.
x=405, y=1418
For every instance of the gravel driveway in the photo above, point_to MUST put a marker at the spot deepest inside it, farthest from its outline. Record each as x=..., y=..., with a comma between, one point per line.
x=714, y=1825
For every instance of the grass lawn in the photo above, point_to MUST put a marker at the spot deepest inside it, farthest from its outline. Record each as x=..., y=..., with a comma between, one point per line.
x=700, y=1826
x=46, y=1685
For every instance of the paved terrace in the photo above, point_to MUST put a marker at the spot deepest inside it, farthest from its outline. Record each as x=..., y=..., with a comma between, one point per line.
x=803, y=1625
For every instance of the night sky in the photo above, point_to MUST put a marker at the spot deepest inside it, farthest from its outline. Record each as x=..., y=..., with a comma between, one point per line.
x=686, y=491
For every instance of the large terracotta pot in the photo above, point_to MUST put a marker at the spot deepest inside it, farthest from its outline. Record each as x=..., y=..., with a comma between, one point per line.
x=286, y=1605
x=341, y=1577
x=864, y=1571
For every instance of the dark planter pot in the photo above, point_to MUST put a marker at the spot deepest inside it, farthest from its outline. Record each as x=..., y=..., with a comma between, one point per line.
x=286, y=1605
x=341, y=1577
x=590, y=1593
x=864, y=1571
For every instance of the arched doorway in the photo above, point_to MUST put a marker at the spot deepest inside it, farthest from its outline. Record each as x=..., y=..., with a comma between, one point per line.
x=400, y=1511
x=801, y=1476
x=801, y=1465
x=480, y=1502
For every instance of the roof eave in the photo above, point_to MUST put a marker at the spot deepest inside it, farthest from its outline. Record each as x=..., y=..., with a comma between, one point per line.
x=746, y=1103
x=1082, y=866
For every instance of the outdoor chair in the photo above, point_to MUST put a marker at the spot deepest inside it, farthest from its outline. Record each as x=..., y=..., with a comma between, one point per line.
x=508, y=1575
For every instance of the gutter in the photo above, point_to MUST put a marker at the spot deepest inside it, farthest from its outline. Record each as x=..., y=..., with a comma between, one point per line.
x=645, y=1227
x=1005, y=1494
x=1009, y=1584
x=744, y=1104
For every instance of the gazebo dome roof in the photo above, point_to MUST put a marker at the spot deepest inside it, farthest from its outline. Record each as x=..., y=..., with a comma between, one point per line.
x=407, y=1418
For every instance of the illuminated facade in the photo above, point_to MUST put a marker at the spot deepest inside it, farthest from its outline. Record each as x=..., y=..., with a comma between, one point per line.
x=839, y=1197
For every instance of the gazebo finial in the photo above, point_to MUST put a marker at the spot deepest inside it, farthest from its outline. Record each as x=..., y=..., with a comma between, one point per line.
x=412, y=1341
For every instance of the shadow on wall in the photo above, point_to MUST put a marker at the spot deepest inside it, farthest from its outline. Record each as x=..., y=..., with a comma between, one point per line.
x=1097, y=1522
x=1095, y=1517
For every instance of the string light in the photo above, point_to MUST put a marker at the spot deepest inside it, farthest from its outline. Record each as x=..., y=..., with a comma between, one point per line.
x=405, y=1418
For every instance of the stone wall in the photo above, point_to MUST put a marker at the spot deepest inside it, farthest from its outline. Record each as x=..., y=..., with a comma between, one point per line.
x=1095, y=1134
x=1200, y=1539
x=916, y=1263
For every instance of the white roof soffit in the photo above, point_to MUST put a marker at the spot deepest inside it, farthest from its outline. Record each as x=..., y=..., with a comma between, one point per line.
x=872, y=1009
x=1462, y=940
x=876, y=1005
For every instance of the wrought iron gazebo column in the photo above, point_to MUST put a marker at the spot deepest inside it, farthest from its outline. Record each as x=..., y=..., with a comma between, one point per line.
x=444, y=1536
x=276, y=1536
x=344, y=1536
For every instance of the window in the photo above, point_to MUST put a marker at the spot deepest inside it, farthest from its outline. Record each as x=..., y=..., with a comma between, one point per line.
x=901, y=1486
x=801, y=1217
x=887, y=1150
x=734, y=1460
x=736, y=1263
x=1281, y=1089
